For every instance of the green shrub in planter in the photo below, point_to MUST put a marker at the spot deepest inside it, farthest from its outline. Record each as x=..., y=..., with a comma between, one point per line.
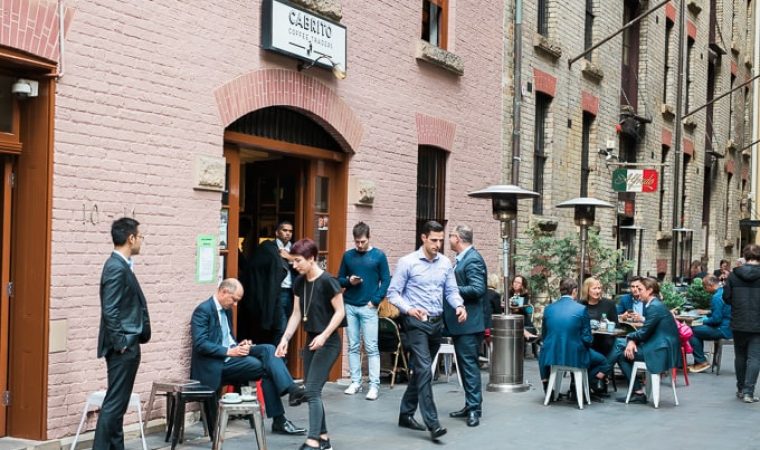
x=697, y=295
x=670, y=296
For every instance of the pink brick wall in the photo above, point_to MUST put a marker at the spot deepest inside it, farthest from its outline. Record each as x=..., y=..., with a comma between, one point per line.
x=137, y=104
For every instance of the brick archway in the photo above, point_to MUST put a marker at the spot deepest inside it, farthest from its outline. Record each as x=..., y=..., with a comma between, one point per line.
x=32, y=26
x=280, y=87
x=435, y=131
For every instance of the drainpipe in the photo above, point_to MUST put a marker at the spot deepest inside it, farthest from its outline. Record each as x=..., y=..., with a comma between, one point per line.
x=755, y=118
x=516, y=120
x=61, y=20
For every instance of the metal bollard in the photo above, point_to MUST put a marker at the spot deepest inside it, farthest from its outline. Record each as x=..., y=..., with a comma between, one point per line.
x=507, y=356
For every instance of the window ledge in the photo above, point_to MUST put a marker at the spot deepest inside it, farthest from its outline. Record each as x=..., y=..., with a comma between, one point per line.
x=546, y=224
x=440, y=57
x=664, y=236
x=689, y=123
x=548, y=45
x=748, y=61
x=592, y=71
x=695, y=6
x=735, y=46
x=728, y=243
x=667, y=111
x=730, y=145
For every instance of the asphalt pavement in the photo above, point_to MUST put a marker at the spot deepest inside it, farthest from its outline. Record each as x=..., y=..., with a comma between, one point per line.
x=709, y=417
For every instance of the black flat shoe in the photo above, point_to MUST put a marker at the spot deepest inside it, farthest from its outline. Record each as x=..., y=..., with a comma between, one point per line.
x=324, y=444
x=306, y=446
x=437, y=432
x=297, y=396
x=407, y=421
x=287, y=427
x=473, y=419
x=461, y=414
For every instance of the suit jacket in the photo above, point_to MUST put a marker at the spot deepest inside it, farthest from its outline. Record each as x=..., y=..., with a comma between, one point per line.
x=567, y=334
x=208, y=351
x=267, y=271
x=471, y=273
x=658, y=338
x=124, y=319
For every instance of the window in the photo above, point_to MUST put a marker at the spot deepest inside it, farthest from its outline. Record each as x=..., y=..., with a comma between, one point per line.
x=668, y=75
x=731, y=103
x=629, y=91
x=431, y=187
x=539, y=150
x=707, y=196
x=747, y=119
x=435, y=20
x=588, y=29
x=688, y=89
x=661, y=212
x=728, y=207
x=588, y=120
x=543, y=18
x=684, y=172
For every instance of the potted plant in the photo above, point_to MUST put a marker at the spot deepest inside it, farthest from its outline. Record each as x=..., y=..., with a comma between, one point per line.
x=670, y=296
x=697, y=295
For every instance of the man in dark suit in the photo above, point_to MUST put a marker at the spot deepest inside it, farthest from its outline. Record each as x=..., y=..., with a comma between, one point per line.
x=656, y=343
x=566, y=328
x=218, y=359
x=266, y=310
x=471, y=273
x=124, y=325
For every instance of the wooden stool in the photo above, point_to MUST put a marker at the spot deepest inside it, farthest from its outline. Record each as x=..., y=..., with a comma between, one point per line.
x=251, y=408
x=183, y=395
x=166, y=388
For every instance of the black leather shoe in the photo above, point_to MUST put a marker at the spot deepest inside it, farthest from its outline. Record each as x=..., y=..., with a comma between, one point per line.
x=407, y=421
x=461, y=414
x=287, y=427
x=638, y=398
x=473, y=419
x=437, y=432
x=297, y=396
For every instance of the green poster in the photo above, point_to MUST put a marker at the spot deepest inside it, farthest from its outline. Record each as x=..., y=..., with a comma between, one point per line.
x=206, y=252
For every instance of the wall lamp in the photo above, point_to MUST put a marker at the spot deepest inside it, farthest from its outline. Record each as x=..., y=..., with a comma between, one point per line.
x=337, y=68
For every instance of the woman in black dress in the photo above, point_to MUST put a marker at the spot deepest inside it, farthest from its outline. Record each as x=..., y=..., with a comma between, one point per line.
x=318, y=305
x=598, y=309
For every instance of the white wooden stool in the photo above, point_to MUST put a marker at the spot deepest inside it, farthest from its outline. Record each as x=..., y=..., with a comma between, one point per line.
x=653, y=384
x=95, y=399
x=581, y=383
x=223, y=415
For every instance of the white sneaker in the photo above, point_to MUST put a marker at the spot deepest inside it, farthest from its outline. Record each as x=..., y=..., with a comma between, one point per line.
x=372, y=393
x=353, y=388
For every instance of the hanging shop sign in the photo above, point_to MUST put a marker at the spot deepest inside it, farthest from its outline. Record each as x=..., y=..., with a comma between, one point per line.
x=296, y=32
x=634, y=180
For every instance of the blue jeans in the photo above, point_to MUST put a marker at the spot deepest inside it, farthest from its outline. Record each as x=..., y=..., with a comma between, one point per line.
x=363, y=320
x=703, y=333
x=282, y=313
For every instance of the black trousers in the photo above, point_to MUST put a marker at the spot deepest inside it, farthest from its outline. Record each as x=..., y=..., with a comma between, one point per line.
x=746, y=361
x=467, y=347
x=424, y=339
x=316, y=368
x=122, y=369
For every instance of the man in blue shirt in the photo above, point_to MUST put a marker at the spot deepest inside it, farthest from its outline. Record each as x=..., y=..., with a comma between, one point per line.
x=365, y=274
x=716, y=326
x=631, y=308
x=417, y=288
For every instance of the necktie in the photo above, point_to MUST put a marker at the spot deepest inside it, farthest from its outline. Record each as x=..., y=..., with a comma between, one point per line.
x=226, y=339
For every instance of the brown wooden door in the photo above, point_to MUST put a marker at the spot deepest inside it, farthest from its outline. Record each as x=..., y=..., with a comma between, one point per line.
x=6, y=168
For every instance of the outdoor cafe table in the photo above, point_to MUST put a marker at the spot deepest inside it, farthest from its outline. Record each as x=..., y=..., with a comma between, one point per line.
x=618, y=332
x=690, y=320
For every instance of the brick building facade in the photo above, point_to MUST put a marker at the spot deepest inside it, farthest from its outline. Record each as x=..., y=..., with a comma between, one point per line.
x=143, y=102
x=633, y=76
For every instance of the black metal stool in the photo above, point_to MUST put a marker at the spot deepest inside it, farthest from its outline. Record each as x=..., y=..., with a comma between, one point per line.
x=176, y=410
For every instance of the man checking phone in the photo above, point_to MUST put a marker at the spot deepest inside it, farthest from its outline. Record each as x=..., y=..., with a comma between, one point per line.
x=365, y=274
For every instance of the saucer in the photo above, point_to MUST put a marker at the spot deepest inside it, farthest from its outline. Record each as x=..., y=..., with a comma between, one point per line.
x=232, y=400
x=248, y=398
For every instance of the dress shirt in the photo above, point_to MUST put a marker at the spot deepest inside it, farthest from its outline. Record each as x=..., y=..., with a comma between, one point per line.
x=420, y=283
x=128, y=260
x=460, y=255
x=287, y=283
x=227, y=339
x=638, y=306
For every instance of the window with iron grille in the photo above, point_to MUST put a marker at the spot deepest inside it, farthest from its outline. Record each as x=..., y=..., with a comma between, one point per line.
x=539, y=150
x=661, y=206
x=667, y=78
x=431, y=187
x=435, y=20
x=588, y=121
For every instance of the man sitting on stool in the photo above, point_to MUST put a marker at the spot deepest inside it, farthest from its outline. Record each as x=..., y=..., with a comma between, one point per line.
x=218, y=359
x=566, y=328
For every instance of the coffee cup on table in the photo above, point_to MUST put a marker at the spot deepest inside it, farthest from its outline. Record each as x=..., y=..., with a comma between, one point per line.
x=611, y=327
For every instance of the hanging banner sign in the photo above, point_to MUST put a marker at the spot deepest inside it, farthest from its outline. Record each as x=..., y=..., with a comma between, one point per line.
x=634, y=180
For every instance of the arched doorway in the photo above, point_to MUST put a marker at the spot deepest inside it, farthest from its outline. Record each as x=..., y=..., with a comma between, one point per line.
x=282, y=164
